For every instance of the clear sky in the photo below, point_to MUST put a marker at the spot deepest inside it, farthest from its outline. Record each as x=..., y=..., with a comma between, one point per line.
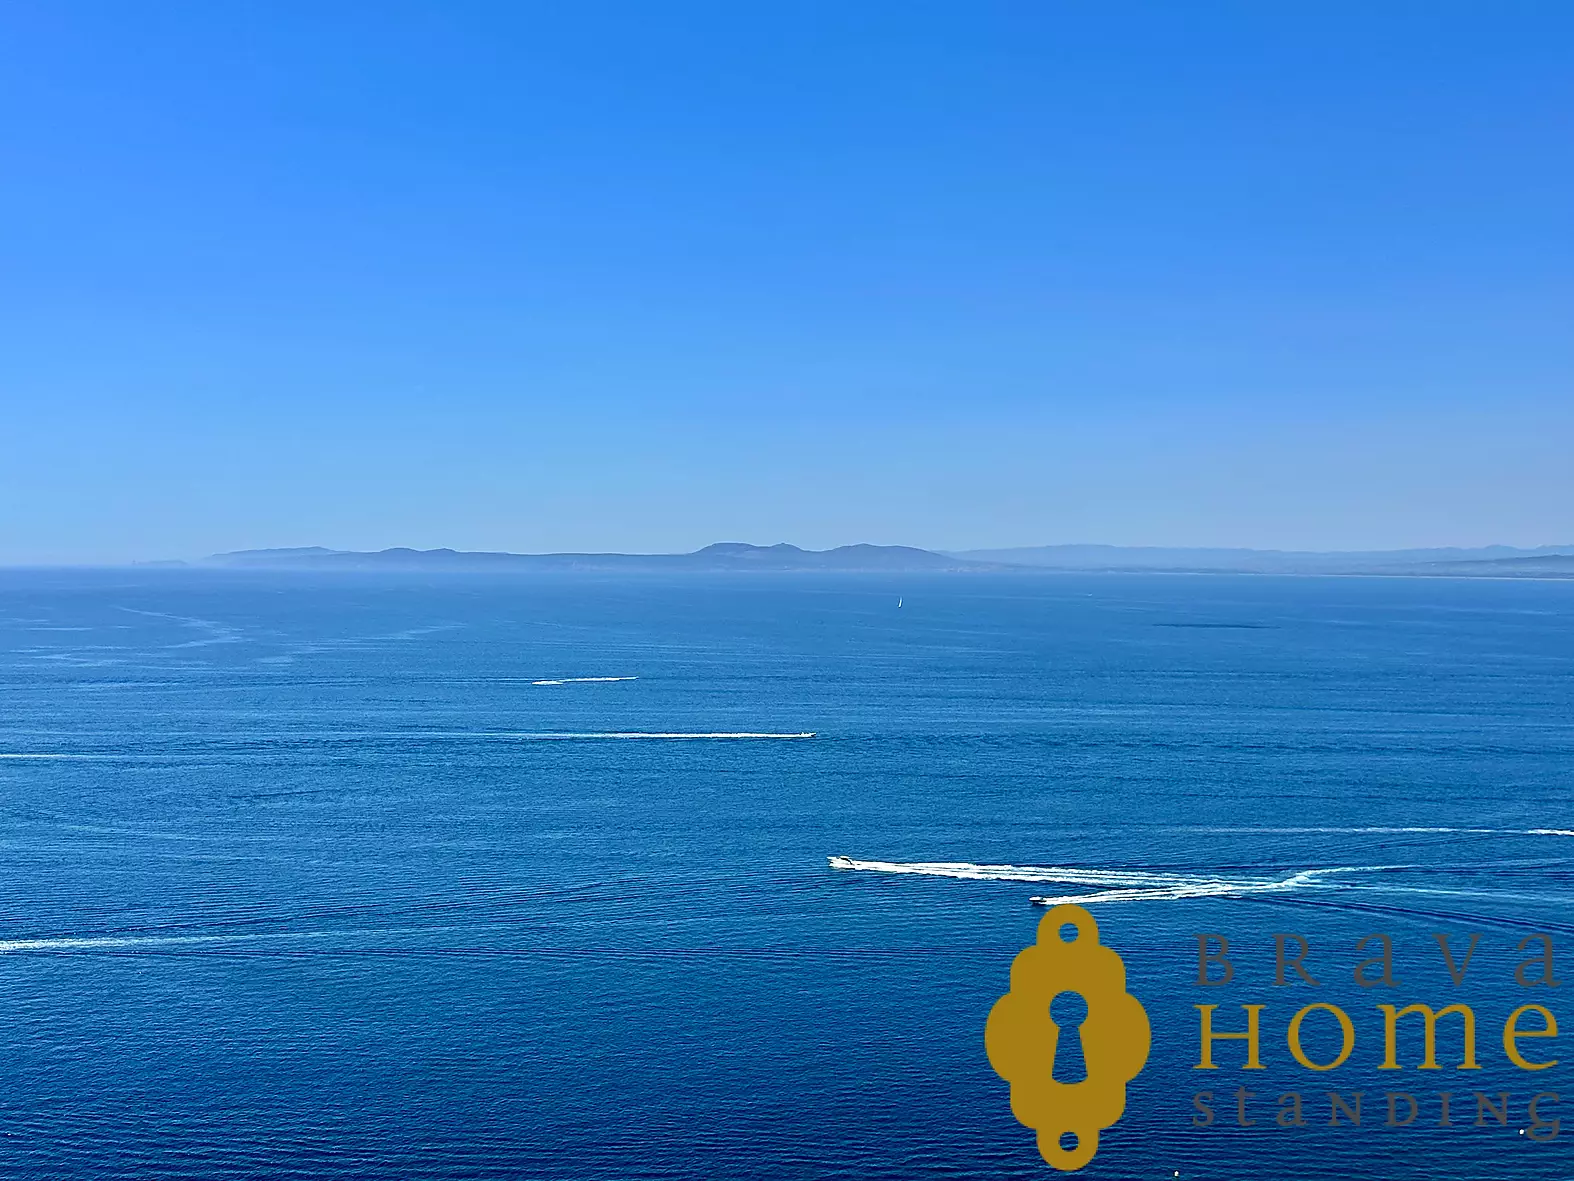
x=646, y=276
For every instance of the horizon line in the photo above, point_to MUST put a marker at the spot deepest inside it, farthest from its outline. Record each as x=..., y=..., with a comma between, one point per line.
x=215, y=559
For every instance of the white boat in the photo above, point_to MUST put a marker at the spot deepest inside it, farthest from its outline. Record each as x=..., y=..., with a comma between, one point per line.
x=840, y=862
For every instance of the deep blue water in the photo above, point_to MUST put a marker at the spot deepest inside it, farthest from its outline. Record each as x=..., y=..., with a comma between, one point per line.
x=311, y=878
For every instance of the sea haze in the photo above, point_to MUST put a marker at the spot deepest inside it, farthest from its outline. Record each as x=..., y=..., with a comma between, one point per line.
x=1496, y=561
x=397, y=876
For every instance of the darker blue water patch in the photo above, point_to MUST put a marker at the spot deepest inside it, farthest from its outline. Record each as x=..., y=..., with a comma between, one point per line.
x=312, y=878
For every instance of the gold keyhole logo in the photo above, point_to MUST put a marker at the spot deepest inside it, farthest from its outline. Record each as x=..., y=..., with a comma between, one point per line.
x=1021, y=1038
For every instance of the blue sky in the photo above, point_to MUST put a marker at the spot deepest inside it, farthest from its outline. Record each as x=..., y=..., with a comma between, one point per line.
x=647, y=276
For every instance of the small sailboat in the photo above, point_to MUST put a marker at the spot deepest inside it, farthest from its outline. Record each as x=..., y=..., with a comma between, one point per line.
x=898, y=602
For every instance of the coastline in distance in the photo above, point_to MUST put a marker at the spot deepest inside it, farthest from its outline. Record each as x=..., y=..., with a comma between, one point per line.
x=1486, y=561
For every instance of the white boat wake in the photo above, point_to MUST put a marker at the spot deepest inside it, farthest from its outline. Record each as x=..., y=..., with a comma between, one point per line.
x=435, y=735
x=583, y=680
x=1369, y=830
x=47, y=755
x=1111, y=885
x=566, y=736
x=111, y=942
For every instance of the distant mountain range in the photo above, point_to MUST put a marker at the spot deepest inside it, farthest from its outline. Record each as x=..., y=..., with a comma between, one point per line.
x=1547, y=560
x=1496, y=561
x=719, y=558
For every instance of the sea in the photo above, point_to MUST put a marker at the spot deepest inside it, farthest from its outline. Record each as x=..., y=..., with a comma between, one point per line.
x=377, y=876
